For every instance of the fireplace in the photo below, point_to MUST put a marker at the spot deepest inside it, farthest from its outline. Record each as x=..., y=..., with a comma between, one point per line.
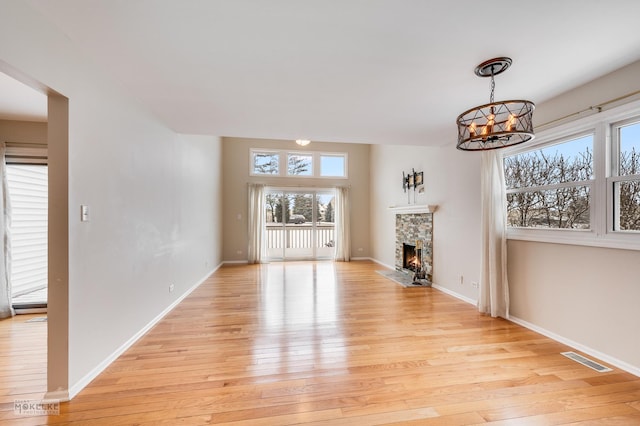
x=410, y=256
x=414, y=229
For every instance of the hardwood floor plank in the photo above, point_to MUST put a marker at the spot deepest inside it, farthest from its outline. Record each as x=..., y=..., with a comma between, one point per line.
x=23, y=366
x=327, y=344
x=601, y=415
x=453, y=420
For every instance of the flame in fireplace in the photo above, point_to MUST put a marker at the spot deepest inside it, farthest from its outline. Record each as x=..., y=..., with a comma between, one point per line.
x=411, y=260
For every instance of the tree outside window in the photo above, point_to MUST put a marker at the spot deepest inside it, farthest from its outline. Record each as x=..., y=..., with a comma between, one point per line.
x=551, y=187
x=266, y=163
x=300, y=165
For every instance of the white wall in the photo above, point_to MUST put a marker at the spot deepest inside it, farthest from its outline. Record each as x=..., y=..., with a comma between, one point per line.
x=587, y=296
x=154, y=222
x=452, y=182
x=154, y=198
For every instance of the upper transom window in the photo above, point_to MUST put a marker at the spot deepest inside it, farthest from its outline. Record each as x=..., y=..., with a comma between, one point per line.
x=298, y=164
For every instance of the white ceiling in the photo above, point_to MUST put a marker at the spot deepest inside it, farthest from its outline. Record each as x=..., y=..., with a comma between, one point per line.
x=373, y=71
x=20, y=102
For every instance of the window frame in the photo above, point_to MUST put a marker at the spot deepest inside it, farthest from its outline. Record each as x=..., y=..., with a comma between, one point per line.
x=614, y=176
x=283, y=163
x=252, y=161
x=342, y=155
x=589, y=183
x=601, y=232
x=289, y=154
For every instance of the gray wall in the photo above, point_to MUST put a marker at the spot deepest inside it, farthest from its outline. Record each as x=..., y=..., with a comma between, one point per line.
x=23, y=132
x=236, y=160
x=585, y=295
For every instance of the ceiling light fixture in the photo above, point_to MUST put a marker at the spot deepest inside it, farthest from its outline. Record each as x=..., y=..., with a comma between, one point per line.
x=496, y=124
x=303, y=142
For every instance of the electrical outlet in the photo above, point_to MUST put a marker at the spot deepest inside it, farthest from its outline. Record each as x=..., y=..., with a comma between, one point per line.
x=171, y=287
x=239, y=252
x=360, y=249
x=474, y=284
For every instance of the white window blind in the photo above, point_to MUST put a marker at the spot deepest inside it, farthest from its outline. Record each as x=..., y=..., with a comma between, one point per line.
x=28, y=190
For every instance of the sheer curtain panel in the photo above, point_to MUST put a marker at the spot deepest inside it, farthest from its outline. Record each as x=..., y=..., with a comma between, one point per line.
x=6, y=310
x=255, y=251
x=343, y=231
x=494, y=288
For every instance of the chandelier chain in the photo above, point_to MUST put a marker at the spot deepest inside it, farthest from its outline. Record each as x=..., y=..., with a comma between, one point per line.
x=493, y=87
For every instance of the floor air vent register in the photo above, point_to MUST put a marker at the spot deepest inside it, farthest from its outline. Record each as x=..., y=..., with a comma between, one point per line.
x=586, y=362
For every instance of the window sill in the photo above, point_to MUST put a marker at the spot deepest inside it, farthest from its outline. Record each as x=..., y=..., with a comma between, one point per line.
x=623, y=241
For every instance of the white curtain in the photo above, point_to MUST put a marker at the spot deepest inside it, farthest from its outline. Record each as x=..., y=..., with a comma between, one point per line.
x=343, y=230
x=6, y=310
x=494, y=288
x=255, y=251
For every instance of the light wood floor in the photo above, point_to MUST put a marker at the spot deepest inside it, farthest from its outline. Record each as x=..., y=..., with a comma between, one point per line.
x=331, y=344
x=23, y=363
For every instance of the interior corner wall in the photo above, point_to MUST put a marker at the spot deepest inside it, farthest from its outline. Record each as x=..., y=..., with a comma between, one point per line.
x=58, y=248
x=153, y=198
x=584, y=295
x=451, y=181
x=236, y=160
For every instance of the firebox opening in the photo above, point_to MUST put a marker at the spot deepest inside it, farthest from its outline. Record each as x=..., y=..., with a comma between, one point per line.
x=410, y=259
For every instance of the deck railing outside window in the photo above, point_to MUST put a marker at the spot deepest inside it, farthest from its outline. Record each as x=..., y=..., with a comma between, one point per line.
x=299, y=236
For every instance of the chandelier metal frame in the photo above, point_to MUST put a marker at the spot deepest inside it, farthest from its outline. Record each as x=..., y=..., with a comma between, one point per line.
x=496, y=124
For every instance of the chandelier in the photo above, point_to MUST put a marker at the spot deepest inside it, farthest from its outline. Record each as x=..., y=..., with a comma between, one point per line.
x=496, y=124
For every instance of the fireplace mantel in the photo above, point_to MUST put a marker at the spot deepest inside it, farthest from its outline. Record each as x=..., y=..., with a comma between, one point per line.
x=414, y=209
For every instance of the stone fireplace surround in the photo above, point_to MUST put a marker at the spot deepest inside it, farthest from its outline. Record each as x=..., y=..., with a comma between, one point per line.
x=415, y=223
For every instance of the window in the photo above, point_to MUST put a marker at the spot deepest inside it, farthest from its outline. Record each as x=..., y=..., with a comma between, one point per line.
x=578, y=183
x=330, y=165
x=299, y=223
x=333, y=165
x=27, y=186
x=550, y=187
x=625, y=179
x=300, y=165
x=265, y=163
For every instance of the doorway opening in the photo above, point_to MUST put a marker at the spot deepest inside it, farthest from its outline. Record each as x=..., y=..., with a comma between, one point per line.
x=27, y=187
x=299, y=224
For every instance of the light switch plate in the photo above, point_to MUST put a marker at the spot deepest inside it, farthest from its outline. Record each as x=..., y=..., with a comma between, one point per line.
x=84, y=213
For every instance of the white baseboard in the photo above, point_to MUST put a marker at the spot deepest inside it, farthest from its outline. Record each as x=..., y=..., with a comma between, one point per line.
x=454, y=294
x=575, y=345
x=235, y=262
x=84, y=381
x=578, y=346
x=361, y=258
